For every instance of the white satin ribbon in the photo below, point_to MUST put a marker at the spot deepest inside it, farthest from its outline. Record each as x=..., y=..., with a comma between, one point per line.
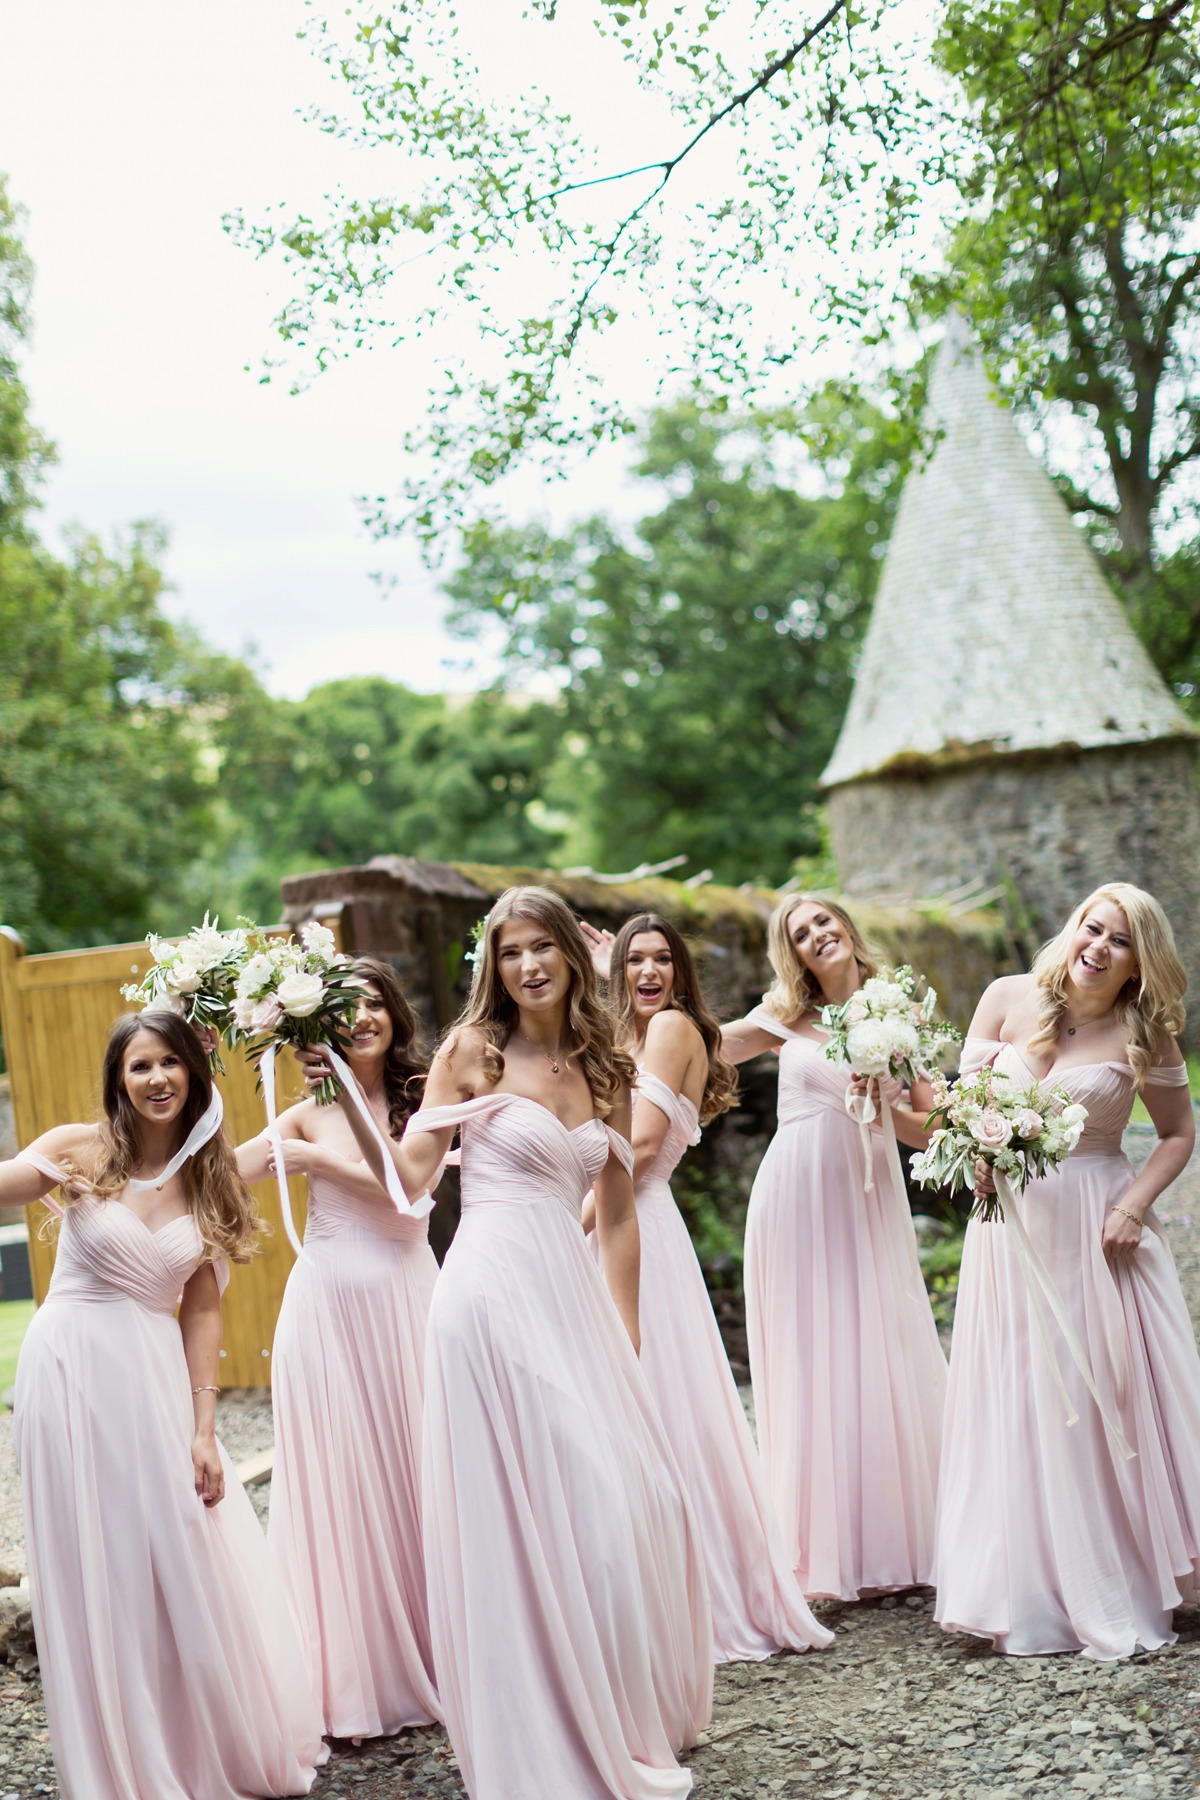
x=412, y=1209
x=206, y=1126
x=1037, y=1275
x=861, y=1108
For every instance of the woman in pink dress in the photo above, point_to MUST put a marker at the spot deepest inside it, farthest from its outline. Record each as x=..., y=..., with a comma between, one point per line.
x=1050, y=1536
x=848, y=1375
x=683, y=1082
x=571, y=1628
x=346, y=1383
x=169, y=1658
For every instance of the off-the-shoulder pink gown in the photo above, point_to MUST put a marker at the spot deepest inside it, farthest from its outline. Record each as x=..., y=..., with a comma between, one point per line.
x=757, y=1605
x=571, y=1629
x=169, y=1659
x=1048, y=1538
x=848, y=1375
x=347, y=1380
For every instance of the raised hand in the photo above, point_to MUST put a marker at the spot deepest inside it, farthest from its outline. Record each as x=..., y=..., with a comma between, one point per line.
x=600, y=943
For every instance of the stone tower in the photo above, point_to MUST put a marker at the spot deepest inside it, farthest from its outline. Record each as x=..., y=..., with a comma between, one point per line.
x=1006, y=724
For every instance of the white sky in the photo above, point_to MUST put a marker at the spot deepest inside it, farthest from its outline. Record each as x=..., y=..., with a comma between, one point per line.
x=127, y=131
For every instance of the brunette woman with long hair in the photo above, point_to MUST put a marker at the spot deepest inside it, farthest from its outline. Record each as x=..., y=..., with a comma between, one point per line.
x=570, y=1621
x=849, y=1377
x=347, y=1377
x=1084, y=1536
x=666, y=1024
x=169, y=1658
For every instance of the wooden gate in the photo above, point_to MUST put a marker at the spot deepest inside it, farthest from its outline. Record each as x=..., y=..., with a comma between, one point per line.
x=56, y=1012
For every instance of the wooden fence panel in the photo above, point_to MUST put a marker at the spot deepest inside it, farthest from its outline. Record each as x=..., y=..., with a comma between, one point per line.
x=56, y=1011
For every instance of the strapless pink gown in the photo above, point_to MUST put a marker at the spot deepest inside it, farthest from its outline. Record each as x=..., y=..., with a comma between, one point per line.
x=1048, y=1539
x=571, y=1628
x=849, y=1377
x=169, y=1659
x=757, y=1605
x=347, y=1378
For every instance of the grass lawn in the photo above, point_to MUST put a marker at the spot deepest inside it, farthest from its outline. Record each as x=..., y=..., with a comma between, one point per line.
x=14, y=1322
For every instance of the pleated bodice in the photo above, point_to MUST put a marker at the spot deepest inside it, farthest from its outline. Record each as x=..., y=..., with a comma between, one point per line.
x=1105, y=1088
x=333, y=1209
x=515, y=1152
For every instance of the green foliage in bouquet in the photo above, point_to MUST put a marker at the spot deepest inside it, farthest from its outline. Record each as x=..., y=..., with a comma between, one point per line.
x=298, y=994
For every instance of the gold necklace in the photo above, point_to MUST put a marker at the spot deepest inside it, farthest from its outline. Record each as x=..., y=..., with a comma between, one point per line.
x=552, y=1060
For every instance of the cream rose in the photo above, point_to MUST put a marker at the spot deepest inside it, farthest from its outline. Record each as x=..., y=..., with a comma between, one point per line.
x=299, y=994
x=992, y=1129
x=266, y=1014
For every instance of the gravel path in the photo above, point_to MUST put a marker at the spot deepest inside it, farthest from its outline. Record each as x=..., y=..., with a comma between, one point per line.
x=894, y=1710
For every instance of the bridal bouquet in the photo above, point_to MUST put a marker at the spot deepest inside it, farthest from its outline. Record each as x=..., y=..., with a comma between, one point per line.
x=883, y=1030
x=195, y=978
x=296, y=994
x=1021, y=1132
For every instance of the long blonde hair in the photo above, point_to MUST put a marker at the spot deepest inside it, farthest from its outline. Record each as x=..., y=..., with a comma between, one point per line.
x=687, y=997
x=218, y=1199
x=795, y=989
x=1149, y=1006
x=606, y=1068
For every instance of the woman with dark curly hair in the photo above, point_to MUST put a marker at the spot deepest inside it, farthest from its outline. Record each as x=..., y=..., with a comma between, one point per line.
x=347, y=1383
x=667, y=1026
x=169, y=1659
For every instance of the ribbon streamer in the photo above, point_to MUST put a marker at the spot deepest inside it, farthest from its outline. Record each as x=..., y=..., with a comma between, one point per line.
x=1038, y=1275
x=206, y=1127
x=413, y=1209
x=861, y=1108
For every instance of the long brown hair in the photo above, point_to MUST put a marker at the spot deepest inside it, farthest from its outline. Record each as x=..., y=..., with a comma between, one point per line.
x=404, y=1067
x=606, y=1067
x=687, y=997
x=1149, y=1006
x=795, y=989
x=219, y=1200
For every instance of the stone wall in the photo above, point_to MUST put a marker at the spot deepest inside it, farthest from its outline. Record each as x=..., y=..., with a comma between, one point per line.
x=1050, y=827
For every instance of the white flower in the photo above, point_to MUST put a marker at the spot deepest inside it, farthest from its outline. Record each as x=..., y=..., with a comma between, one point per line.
x=1073, y=1115
x=255, y=976
x=319, y=939
x=1027, y=1123
x=300, y=994
x=993, y=1130
x=903, y=1038
x=265, y=1015
x=867, y=1049
x=161, y=1001
x=856, y=1010
x=183, y=975
x=242, y=1012
x=205, y=947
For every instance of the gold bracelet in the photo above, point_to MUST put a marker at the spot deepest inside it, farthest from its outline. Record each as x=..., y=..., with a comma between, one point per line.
x=1140, y=1223
x=206, y=1390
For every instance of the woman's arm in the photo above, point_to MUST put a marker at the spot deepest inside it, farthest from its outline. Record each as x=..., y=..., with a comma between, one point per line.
x=1170, y=1108
x=21, y=1184
x=200, y=1325
x=417, y=1158
x=671, y=1043
x=740, y=1041
x=254, y=1156
x=910, y=1125
x=617, y=1230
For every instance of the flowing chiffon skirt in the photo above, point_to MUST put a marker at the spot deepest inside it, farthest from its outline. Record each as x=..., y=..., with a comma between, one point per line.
x=1048, y=1538
x=347, y=1380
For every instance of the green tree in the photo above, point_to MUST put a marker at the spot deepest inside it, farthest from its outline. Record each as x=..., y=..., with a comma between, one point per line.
x=364, y=768
x=24, y=452
x=707, y=660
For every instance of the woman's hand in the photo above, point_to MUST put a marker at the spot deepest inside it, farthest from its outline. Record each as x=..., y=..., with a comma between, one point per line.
x=985, y=1180
x=1121, y=1235
x=206, y=1465
x=860, y=1086
x=209, y=1038
x=315, y=1065
x=300, y=1158
x=600, y=943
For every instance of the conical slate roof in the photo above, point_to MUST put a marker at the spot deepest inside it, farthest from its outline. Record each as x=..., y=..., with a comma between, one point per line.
x=994, y=631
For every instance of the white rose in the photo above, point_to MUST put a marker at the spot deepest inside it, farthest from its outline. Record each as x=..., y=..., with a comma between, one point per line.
x=855, y=1010
x=319, y=939
x=182, y=976
x=993, y=1130
x=300, y=994
x=254, y=977
x=867, y=1048
x=162, y=1001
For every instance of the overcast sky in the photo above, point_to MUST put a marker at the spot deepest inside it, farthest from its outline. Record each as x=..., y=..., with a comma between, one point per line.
x=128, y=131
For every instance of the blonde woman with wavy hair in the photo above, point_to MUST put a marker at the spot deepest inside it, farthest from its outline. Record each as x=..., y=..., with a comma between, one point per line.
x=169, y=1658
x=572, y=1636
x=1083, y=1537
x=848, y=1374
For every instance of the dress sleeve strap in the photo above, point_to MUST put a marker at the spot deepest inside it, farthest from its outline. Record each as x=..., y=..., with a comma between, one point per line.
x=220, y=1268
x=977, y=1053
x=621, y=1147
x=766, y=1021
x=444, y=1118
x=674, y=1107
x=45, y=1167
x=1167, y=1075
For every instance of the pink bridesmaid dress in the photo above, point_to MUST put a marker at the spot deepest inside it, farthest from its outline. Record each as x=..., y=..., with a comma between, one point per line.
x=848, y=1375
x=757, y=1605
x=169, y=1659
x=347, y=1379
x=1049, y=1538
x=571, y=1626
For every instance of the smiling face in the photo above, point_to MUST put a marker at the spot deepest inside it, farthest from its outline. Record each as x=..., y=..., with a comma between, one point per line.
x=649, y=973
x=1101, y=957
x=533, y=970
x=821, y=942
x=155, y=1078
x=372, y=1032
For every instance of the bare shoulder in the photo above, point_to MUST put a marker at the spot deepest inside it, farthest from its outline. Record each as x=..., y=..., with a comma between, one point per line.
x=672, y=1030
x=297, y=1121
x=461, y=1065
x=1169, y=1055
x=77, y=1144
x=1000, y=1000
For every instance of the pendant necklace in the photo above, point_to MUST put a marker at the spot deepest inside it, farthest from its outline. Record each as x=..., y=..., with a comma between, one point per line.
x=552, y=1060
